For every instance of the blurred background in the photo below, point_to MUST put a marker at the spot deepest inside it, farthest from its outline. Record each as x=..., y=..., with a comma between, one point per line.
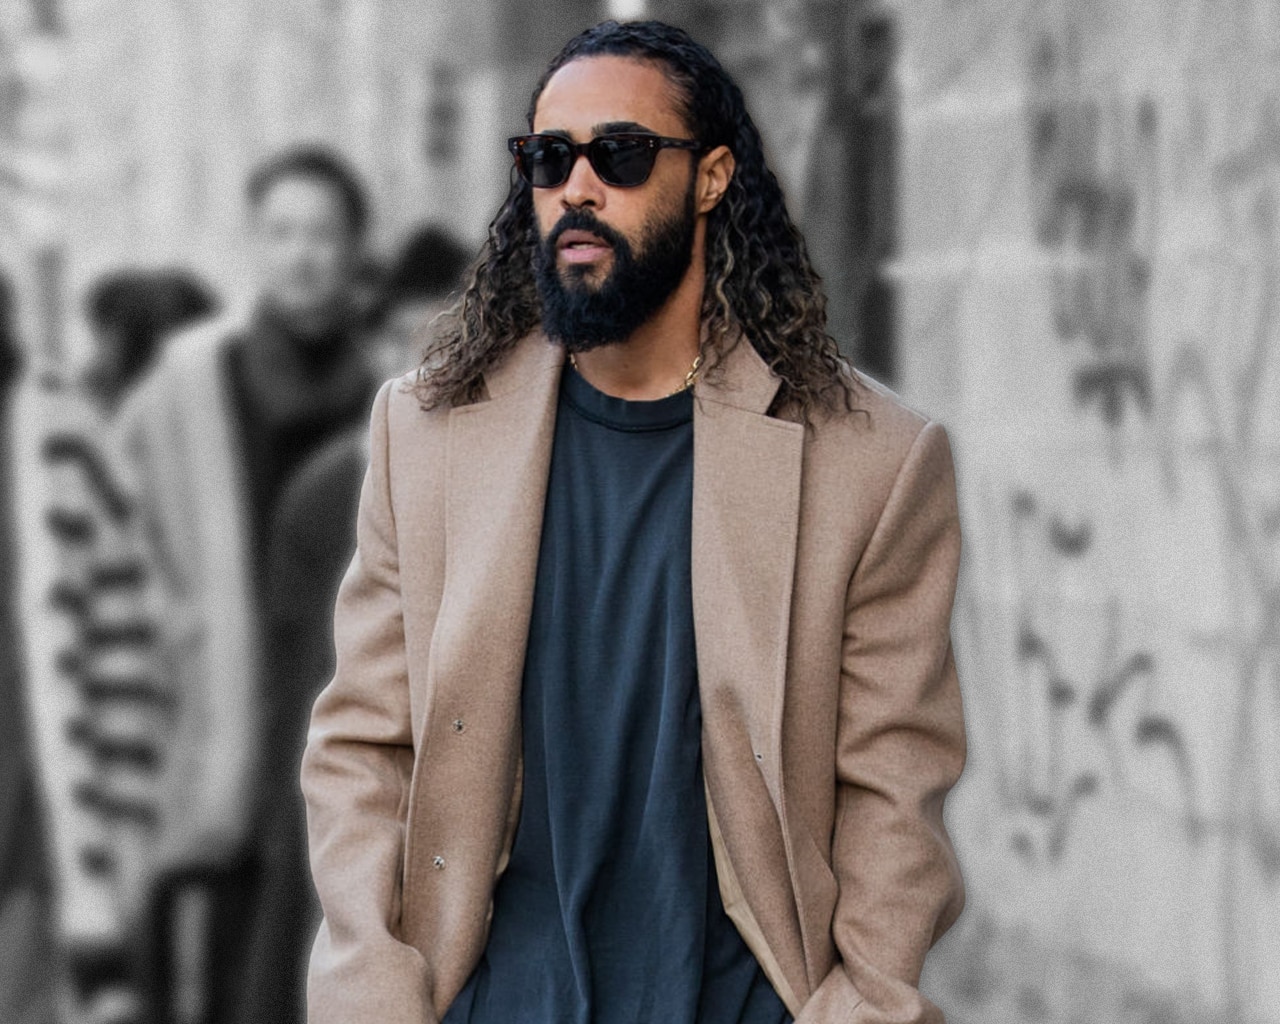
x=1050, y=224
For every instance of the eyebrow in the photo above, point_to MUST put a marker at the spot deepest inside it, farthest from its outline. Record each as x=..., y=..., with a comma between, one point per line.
x=605, y=128
x=621, y=126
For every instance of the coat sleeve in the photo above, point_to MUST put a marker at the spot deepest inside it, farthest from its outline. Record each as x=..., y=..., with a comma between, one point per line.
x=900, y=748
x=355, y=778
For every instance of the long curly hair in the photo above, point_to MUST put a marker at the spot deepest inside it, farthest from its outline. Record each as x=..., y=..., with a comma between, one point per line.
x=760, y=284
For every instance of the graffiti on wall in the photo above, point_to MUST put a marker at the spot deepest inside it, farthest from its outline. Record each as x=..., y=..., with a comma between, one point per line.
x=1123, y=587
x=1093, y=163
x=1090, y=709
x=1174, y=341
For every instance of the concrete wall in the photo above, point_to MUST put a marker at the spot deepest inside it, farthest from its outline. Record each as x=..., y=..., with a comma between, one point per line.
x=1089, y=207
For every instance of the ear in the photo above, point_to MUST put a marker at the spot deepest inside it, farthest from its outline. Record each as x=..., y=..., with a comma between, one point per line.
x=715, y=171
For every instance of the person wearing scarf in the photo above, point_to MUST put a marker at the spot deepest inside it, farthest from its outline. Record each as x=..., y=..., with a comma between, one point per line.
x=208, y=441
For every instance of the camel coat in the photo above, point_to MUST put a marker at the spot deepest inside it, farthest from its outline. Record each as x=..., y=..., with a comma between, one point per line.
x=824, y=568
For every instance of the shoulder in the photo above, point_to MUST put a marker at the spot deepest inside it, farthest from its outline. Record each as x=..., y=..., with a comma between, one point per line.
x=188, y=365
x=198, y=349
x=329, y=477
x=856, y=459
x=312, y=529
x=878, y=426
x=399, y=412
x=407, y=445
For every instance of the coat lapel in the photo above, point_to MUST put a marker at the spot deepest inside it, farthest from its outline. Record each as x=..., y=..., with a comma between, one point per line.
x=498, y=461
x=499, y=452
x=746, y=507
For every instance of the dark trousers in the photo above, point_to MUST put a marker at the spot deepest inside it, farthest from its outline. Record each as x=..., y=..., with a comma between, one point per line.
x=28, y=960
x=197, y=941
x=231, y=946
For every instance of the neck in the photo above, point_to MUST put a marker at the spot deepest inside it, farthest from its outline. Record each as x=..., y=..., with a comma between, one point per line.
x=655, y=359
x=317, y=328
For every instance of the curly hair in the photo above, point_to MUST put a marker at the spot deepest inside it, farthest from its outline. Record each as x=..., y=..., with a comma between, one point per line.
x=759, y=285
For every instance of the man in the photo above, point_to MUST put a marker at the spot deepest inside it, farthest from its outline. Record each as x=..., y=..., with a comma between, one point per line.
x=210, y=437
x=644, y=707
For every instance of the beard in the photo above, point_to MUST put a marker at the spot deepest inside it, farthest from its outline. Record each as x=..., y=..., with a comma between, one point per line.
x=581, y=316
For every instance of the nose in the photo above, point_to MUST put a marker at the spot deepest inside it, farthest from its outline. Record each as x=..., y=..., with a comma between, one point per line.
x=583, y=187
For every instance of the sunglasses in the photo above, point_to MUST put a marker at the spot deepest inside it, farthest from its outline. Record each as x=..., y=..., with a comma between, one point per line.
x=624, y=159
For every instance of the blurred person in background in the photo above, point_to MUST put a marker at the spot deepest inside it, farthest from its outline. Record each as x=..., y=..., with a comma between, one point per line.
x=90, y=638
x=207, y=441
x=131, y=312
x=27, y=961
x=645, y=706
x=311, y=539
x=427, y=270
x=100, y=589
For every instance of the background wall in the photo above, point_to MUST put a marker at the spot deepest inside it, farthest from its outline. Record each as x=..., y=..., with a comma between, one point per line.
x=1088, y=274
x=1051, y=223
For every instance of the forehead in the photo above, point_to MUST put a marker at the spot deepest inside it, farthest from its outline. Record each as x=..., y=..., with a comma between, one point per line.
x=294, y=194
x=591, y=92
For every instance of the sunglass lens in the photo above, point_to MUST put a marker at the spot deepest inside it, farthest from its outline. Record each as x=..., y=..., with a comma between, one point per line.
x=622, y=161
x=545, y=163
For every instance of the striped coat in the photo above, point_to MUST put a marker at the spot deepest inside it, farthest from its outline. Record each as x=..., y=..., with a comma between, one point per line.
x=98, y=702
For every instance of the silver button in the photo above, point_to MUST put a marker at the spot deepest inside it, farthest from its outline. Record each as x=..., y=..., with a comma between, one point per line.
x=437, y=862
x=459, y=725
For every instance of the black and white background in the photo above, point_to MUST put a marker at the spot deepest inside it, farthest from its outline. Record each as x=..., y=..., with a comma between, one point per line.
x=1051, y=224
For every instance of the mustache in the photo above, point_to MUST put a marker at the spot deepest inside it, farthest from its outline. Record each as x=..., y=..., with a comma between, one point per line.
x=584, y=220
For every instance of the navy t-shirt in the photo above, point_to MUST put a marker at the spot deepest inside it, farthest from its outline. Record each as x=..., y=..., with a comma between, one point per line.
x=609, y=911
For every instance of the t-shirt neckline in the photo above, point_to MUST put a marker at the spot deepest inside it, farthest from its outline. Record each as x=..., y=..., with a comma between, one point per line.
x=624, y=413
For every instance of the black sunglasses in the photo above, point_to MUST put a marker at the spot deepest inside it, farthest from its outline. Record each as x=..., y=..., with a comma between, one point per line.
x=624, y=159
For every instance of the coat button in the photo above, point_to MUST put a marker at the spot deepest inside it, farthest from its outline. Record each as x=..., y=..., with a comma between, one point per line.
x=459, y=725
x=437, y=862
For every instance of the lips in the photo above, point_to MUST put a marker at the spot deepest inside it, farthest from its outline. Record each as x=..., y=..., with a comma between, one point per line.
x=576, y=246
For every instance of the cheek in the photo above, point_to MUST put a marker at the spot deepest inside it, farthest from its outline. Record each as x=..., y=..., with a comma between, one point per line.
x=546, y=212
x=334, y=257
x=277, y=259
x=321, y=263
x=320, y=243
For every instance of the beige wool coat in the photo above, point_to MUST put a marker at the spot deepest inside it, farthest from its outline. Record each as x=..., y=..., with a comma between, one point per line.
x=824, y=569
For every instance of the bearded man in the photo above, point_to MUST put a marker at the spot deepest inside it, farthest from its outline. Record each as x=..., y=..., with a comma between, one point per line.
x=645, y=707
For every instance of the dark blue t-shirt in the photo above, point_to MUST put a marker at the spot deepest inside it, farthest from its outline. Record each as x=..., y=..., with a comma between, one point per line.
x=609, y=911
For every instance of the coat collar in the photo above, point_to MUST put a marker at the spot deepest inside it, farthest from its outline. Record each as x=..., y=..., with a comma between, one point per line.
x=740, y=379
x=534, y=362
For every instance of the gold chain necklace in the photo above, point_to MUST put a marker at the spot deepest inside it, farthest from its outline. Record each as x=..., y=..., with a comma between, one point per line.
x=689, y=377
